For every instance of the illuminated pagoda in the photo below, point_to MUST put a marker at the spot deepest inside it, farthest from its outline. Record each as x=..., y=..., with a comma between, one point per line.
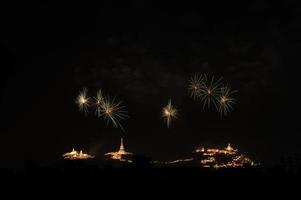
x=121, y=154
x=75, y=155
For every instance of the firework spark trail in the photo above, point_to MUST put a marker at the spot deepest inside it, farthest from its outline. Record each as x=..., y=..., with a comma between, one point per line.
x=112, y=111
x=195, y=85
x=169, y=113
x=226, y=100
x=83, y=101
x=99, y=99
x=210, y=91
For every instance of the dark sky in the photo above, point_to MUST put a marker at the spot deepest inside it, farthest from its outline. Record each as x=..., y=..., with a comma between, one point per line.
x=145, y=53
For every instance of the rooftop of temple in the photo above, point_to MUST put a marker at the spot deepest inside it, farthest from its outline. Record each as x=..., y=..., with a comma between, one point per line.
x=121, y=154
x=75, y=155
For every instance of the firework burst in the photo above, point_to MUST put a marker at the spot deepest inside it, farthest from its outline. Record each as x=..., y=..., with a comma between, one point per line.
x=83, y=101
x=226, y=100
x=169, y=113
x=195, y=86
x=112, y=111
x=99, y=100
x=210, y=91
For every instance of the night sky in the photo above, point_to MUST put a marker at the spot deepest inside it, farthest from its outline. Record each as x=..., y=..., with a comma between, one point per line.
x=144, y=54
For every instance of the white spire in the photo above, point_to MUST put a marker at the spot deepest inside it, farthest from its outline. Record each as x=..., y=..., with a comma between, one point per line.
x=121, y=148
x=229, y=148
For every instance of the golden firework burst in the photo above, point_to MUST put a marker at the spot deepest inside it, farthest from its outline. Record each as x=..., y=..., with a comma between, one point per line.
x=210, y=91
x=169, y=113
x=83, y=101
x=195, y=85
x=226, y=100
x=112, y=111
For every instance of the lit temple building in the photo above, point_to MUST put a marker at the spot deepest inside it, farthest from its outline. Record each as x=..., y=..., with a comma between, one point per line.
x=121, y=154
x=209, y=152
x=213, y=158
x=75, y=155
x=223, y=158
